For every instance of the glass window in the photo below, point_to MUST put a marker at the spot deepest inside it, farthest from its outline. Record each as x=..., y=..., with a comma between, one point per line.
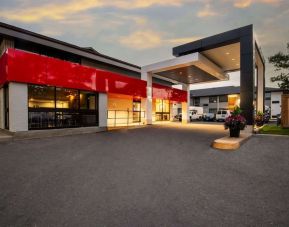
x=212, y=110
x=213, y=99
x=87, y=100
x=159, y=105
x=196, y=101
x=268, y=96
x=166, y=106
x=38, y=120
x=41, y=96
x=162, y=110
x=51, y=107
x=67, y=98
x=223, y=98
x=136, y=105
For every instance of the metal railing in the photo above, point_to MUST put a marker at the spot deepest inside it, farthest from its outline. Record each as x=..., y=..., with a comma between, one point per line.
x=118, y=118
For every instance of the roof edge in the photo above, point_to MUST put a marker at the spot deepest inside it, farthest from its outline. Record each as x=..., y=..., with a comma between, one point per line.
x=56, y=41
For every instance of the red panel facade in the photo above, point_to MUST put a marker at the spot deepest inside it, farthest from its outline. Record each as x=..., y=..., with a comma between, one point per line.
x=25, y=67
x=31, y=68
x=3, y=69
x=164, y=92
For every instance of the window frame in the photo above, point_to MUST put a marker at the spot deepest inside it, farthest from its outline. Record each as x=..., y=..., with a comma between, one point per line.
x=213, y=97
x=223, y=100
x=61, y=112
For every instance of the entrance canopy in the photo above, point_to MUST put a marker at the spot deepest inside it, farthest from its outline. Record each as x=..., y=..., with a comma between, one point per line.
x=187, y=69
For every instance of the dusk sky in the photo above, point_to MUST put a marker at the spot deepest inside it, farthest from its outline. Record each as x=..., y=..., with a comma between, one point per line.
x=144, y=31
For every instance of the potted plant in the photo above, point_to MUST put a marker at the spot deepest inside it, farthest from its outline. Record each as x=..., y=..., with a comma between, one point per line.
x=235, y=122
x=259, y=119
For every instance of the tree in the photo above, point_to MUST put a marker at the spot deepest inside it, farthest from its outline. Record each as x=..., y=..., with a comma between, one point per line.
x=281, y=64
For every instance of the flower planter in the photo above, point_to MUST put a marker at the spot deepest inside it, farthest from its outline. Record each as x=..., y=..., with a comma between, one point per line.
x=235, y=122
x=259, y=123
x=234, y=132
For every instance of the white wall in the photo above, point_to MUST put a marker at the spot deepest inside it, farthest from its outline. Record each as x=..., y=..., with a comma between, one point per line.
x=275, y=107
x=2, y=108
x=149, y=100
x=102, y=106
x=204, y=100
x=234, y=80
x=18, y=107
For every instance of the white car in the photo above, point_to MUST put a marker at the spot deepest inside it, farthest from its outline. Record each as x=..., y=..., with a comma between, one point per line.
x=222, y=115
x=194, y=115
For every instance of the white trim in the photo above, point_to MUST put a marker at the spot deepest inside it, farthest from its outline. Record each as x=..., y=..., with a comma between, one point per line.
x=102, y=109
x=18, y=107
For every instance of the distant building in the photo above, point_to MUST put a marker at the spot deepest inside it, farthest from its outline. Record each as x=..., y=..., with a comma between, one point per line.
x=214, y=99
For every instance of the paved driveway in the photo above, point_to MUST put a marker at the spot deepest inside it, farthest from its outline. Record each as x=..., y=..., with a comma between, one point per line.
x=153, y=176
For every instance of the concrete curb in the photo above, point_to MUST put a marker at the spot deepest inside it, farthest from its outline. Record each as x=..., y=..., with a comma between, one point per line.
x=267, y=135
x=257, y=130
x=38, y=134
x=228, y=143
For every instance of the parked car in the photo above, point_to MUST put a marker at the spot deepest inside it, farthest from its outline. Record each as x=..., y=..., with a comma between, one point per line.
x=222, y=115
x=208, y=117
x=194, y=115
x=178, y=117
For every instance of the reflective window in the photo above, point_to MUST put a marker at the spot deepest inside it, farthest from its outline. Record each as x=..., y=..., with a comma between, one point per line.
x=38, y=120
x=162, y=110
x=87, y=100
x=268, y=95
x=213, y=99
x=196, y=101
x=212, y=110
x=67, y=98
x=41, y=96
x=223, y=98
x=51, y=107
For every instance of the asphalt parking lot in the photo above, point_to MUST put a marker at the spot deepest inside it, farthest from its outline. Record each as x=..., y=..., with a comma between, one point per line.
x=153, y=176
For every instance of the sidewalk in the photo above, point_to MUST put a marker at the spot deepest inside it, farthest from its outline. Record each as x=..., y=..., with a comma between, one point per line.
x=4, y=137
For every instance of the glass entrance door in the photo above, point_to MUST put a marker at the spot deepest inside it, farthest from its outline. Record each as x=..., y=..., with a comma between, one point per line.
x=136, y=111
x=162, y=110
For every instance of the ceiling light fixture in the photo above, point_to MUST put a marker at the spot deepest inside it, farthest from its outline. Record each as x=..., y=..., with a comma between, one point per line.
x=233, y=59
x=227, y=53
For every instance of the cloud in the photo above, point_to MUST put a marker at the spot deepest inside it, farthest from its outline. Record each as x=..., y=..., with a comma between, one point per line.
x=176, y=41
x=148, y=39
x=58, y=11
x=247, y=3
x=50, y=11
x=141, y=40
x=207, y=12
x=132, y=4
